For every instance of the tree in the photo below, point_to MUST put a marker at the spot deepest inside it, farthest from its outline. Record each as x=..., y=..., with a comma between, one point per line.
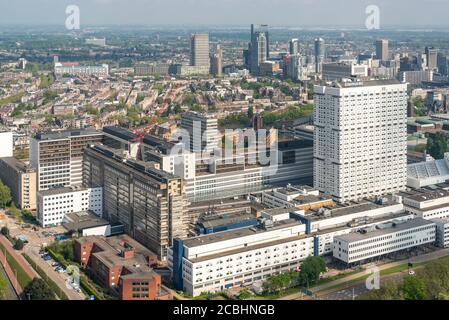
x=311, y=269
x=388, y=291
x=280, y=282
x=5, y=231
x=437, y=145
x=5, y=195
x=418, y=102
x=413, y=288
x=250, y=112
x=18, y=245
x=38, y=289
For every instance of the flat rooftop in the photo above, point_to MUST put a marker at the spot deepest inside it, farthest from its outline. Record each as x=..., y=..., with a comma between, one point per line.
x=158, y=144
x=83, y=220
x=423, y=195
x=17, y=165
x=224, y=219
x=395, y=227
x=349, y=208
x=112, y=248
x=120, y=132
x=143, y=167
x=67, y=134
x=368, y=83
x=236, y=233
x=56, y=191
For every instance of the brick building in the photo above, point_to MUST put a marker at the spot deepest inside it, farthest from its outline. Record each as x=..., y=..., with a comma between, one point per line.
x=122, y=265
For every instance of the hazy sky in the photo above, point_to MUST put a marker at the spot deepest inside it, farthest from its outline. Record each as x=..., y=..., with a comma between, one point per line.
x=226, y=12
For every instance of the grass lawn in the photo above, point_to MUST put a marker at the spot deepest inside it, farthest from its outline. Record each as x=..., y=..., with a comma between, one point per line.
x=22, y=277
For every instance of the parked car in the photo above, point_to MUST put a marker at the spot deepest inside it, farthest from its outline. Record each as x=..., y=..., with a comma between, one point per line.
x=46, y=258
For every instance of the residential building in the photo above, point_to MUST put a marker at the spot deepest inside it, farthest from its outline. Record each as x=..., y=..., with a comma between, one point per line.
x=75, y=69
x=58, y=156
x=360, y=139
x=122, y=265
x=150, y=69
x=22, y=181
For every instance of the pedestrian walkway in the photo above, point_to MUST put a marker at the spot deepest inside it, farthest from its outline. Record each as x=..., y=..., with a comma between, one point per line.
x=18, y=257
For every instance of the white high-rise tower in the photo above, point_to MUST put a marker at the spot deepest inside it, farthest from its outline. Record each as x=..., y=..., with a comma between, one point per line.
x=360, y=139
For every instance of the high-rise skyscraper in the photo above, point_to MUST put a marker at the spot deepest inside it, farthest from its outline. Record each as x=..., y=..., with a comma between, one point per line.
x=431, y=57
x=202, y=132
x=360, y=139
x=216, y=62
x=382, y=50
x=442, y=64
x=293, y=46
x=258, y=48
x=319, y=54
x=258, y=51
x=199, y=50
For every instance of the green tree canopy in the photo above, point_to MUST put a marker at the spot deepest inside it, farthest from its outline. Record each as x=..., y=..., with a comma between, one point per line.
x=437, y=145
x=413, y=288
x=38, y=289
x=5, y=195
x=311, y=269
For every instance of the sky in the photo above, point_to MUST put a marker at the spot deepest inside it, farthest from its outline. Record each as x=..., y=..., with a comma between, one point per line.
x=226, y=12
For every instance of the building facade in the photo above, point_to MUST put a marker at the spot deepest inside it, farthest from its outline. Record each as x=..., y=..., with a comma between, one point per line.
x=22, y=180
x=58, y=156
x=148, y=202
x=54, y=204
x=199, y=50
x=387, y=238
x=360, y=146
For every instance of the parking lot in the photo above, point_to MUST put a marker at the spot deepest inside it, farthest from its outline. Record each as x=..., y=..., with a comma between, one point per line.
x=37, y=238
